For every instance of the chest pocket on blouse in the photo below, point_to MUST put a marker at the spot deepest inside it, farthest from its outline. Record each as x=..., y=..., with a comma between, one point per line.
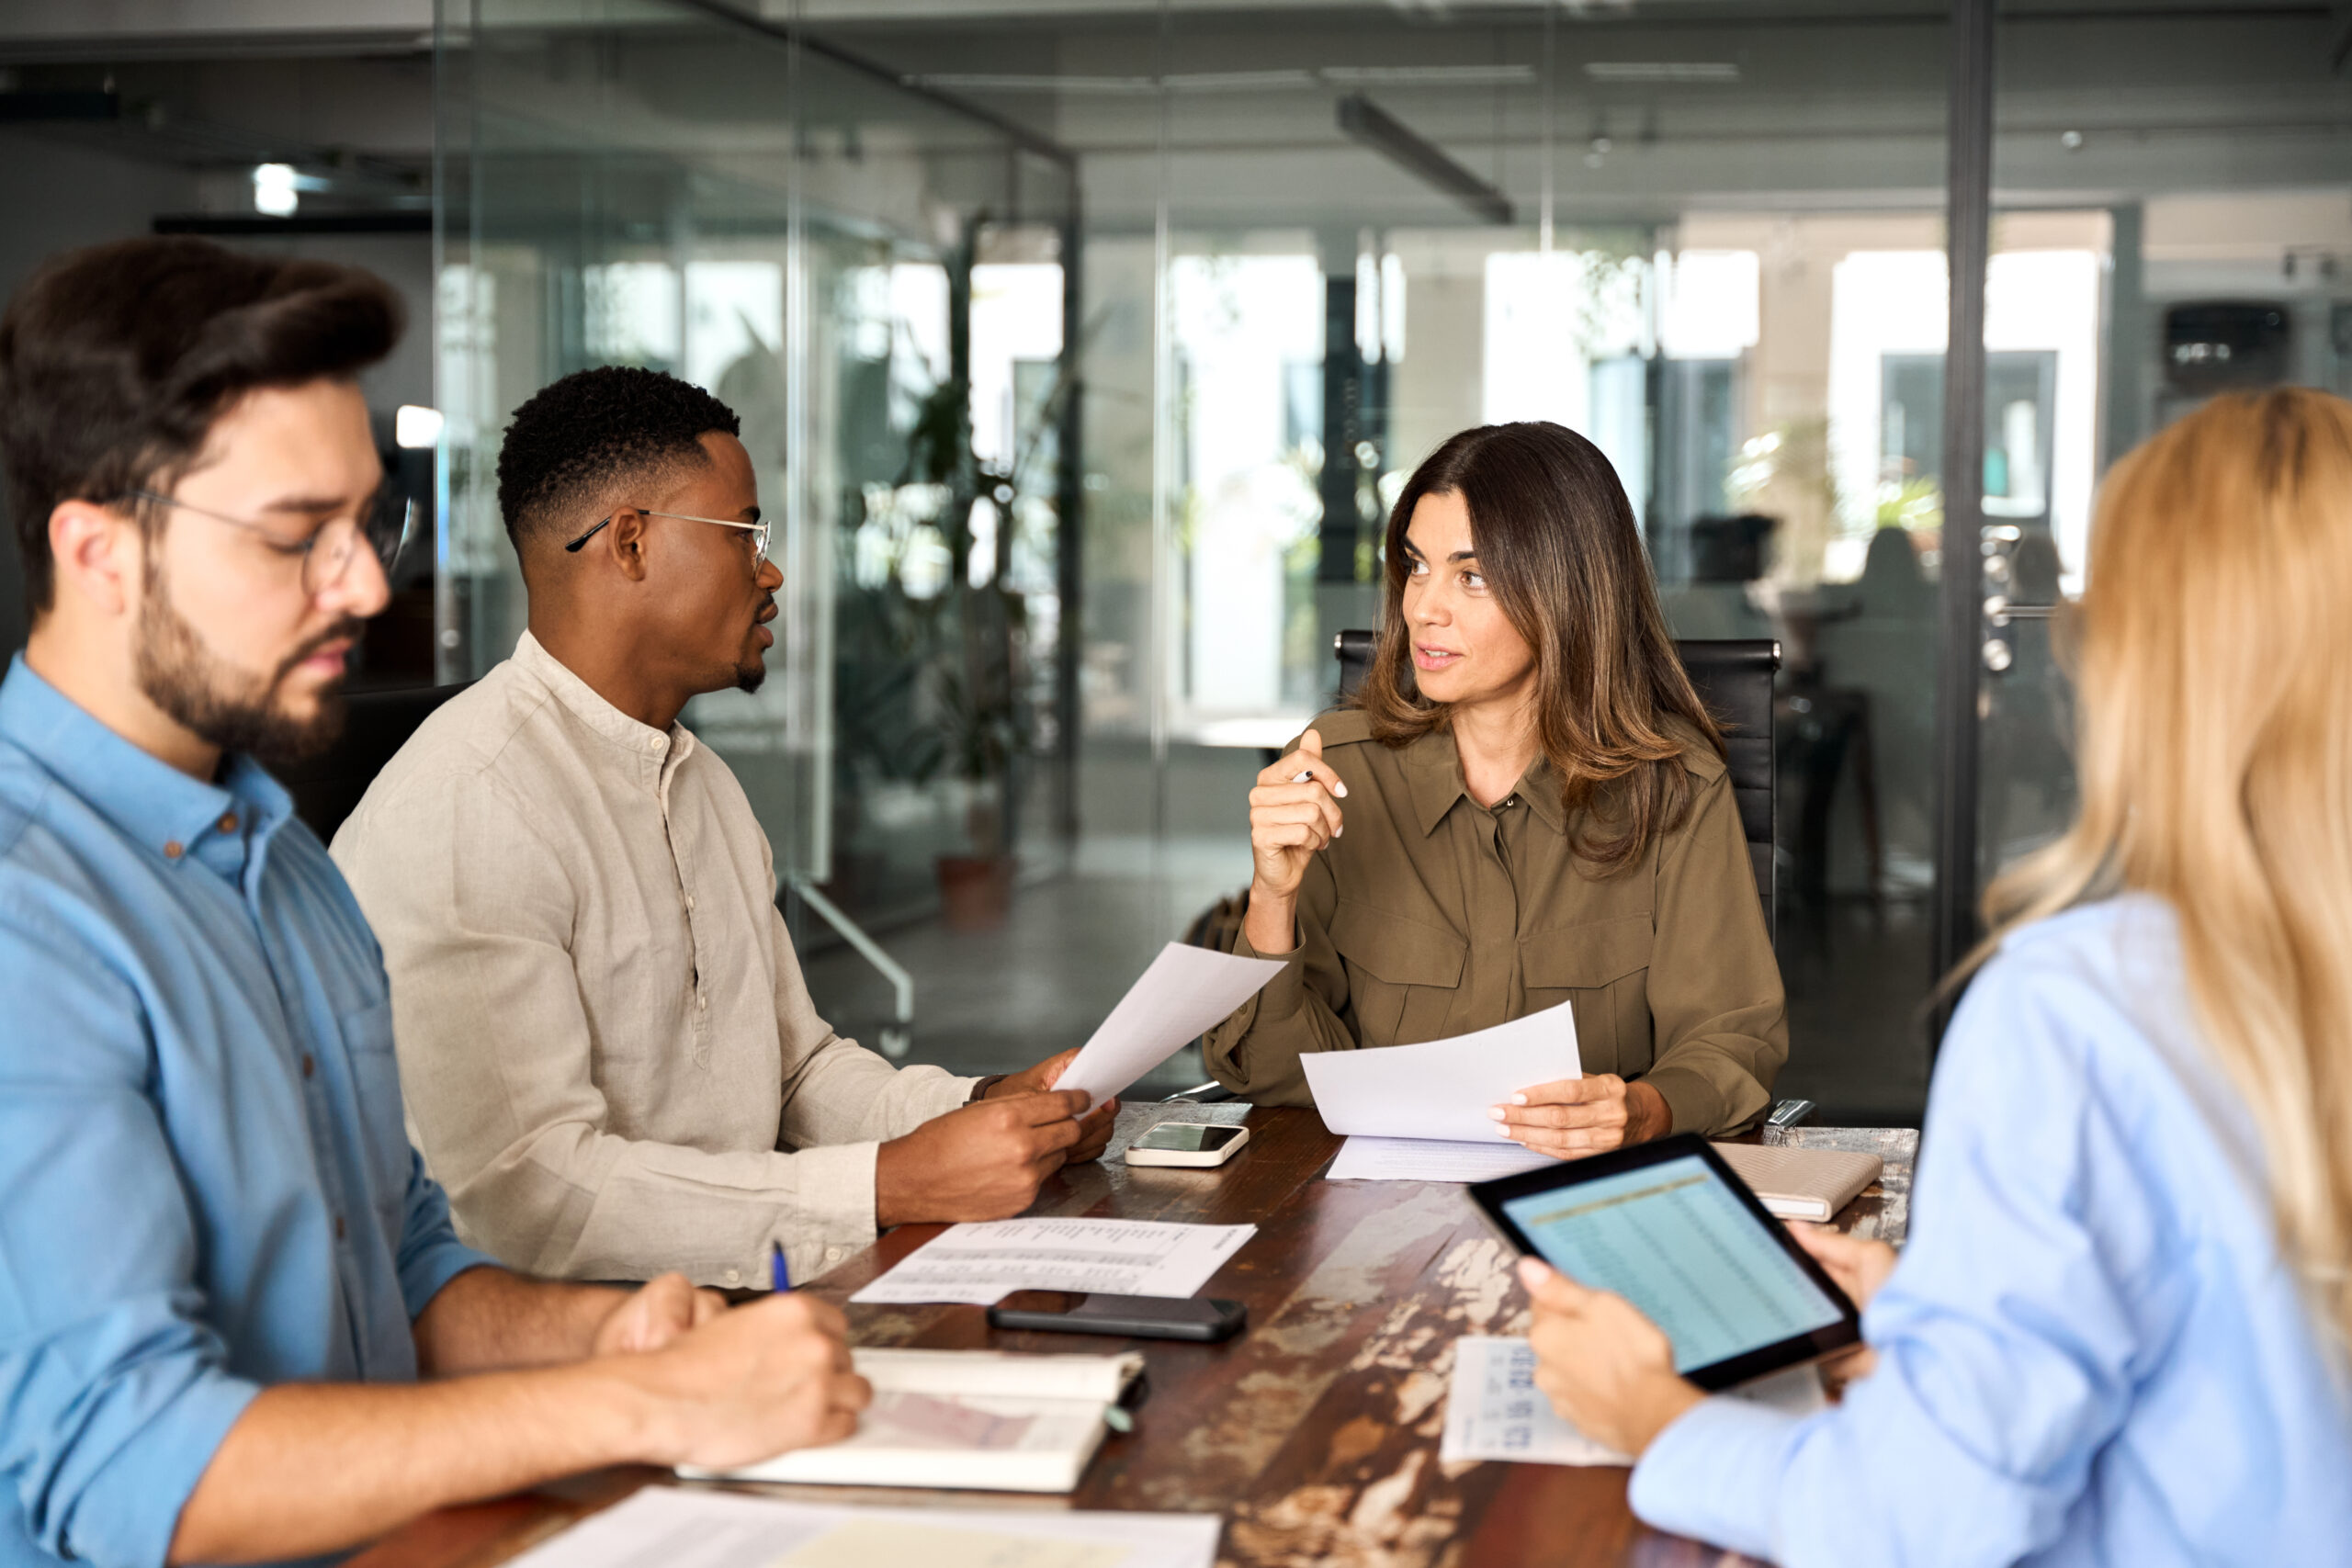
x=376, y=1081
x=1602, y=969
x=1401, y=973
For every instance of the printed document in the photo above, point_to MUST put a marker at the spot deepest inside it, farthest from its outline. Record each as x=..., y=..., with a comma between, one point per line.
x=668, y=1527
x=1495, y=1411
x=1430, y=1159
x=1186, y=992
x=983, y=1263
x=1442, y=1090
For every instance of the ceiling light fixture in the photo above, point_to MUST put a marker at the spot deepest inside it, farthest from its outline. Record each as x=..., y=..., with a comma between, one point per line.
x=1661, y=70
x=1367, y=123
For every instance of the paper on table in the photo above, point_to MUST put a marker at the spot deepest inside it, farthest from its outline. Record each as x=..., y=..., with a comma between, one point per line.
x=1186, y=992
x=1495, y=1411
x=1442, y=1090
x=665, y=1527
x=1430, y=1159
x=983, y=1263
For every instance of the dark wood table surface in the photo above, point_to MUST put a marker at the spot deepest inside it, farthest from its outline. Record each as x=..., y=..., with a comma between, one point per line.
x=1316, y=1431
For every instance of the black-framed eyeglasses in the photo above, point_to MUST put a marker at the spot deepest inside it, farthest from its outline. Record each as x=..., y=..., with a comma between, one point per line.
x=385, y=523
x=759, y=531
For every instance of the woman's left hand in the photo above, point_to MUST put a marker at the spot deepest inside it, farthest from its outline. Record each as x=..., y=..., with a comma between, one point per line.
x=1584, y=1116
x=1607, y=1370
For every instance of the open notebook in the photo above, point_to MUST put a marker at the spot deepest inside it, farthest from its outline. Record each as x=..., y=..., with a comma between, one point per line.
x=975, y=1420
x=1802, y=1184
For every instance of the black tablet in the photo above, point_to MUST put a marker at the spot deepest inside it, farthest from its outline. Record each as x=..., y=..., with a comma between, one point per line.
x=1668, y=1226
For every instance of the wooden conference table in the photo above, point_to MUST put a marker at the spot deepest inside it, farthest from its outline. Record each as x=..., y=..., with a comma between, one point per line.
x=1315, y=1432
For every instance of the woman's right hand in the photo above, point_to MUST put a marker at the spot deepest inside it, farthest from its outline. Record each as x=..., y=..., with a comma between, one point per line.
x=1857, y=1268
x=1293, y=812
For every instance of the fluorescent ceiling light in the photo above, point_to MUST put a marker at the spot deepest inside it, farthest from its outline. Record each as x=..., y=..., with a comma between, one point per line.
x=1661, y=70
x=275, y=191
x=1430, y=75
x=415, y=426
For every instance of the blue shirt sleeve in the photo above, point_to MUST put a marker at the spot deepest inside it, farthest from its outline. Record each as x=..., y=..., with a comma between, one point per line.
x=2009, y=1337
x=113, y=1391
x=429, y=1253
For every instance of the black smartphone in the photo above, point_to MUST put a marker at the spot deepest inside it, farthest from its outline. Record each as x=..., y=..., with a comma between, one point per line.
x=1131, y=1318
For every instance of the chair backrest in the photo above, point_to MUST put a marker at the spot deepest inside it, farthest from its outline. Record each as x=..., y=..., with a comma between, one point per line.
x=1734, y=678
x=375, y=725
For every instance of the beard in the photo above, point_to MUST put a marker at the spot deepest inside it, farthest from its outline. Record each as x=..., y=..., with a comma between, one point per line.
x=749, y=675
x=220, y=705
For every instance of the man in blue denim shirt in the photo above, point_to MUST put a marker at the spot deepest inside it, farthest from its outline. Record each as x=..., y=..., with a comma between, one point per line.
x=223, y=1269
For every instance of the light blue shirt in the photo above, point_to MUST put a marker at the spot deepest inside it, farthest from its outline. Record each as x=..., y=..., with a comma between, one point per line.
x=2091, y=1352
x=204, y=1183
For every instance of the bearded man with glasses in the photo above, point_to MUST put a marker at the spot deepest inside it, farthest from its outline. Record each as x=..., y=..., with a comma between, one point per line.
x=611, y=1057
x=223, y=1270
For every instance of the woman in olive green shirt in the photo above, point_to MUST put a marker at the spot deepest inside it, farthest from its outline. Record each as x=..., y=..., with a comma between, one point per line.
x=1540, y=814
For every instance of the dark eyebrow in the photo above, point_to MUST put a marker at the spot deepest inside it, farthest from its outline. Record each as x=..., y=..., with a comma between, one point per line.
x=310, y=505
x=750, y=514
x=1462, y=555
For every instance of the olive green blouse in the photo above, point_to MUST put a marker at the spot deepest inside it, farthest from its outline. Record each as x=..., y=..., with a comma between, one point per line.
x=1431, y=916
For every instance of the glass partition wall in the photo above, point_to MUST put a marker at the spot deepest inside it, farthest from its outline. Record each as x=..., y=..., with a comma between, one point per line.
x=873, y=278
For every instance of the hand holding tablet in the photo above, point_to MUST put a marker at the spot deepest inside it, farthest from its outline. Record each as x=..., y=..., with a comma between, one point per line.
x=1669, y=1228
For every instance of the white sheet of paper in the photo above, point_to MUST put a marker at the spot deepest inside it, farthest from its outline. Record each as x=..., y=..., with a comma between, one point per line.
x=1495, y=1411
x=1430, y=1159
x=983, y=1263
x=1442, y=1090
x=669, y=1527
x=1186, y=992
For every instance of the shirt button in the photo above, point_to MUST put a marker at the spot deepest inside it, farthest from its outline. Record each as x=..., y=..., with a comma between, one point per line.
x=653, y=743
x=310, y=1063
x=229, y=822
x=734, y=1276
x=173, y=849
x=702, y=1004
x=340, y=1230
x=832, y=1254
x=690, y=903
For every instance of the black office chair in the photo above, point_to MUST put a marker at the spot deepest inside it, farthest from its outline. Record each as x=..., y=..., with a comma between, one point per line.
x=377, y=725
x=1734, y=678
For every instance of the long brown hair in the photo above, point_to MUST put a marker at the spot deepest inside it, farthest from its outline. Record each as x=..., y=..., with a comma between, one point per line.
x=1556, y=542
x=2213, y=652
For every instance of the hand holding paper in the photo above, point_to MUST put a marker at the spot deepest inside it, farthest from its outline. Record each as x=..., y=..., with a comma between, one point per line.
x=1186, y=991
x=1447, y=1088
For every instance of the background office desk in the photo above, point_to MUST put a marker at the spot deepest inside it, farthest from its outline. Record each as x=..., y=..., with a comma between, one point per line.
x=1316, y=1431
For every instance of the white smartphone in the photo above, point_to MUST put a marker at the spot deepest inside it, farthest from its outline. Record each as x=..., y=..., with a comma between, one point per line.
x=1194, y=1144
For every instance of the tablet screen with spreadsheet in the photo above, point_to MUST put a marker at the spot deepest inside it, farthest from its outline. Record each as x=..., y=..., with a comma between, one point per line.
x=1668, y=1226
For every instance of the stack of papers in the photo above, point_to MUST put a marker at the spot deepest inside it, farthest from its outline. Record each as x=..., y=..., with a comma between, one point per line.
x=985, y=1420
x=1421, y=1113
x=1495, y=1411
x=664, y=1527
x=984, y=1263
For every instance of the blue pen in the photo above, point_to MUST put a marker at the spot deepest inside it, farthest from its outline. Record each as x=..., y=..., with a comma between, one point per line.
x=778, y=1280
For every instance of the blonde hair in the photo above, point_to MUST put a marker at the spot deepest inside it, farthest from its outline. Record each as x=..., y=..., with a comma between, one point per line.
x=2214, y=666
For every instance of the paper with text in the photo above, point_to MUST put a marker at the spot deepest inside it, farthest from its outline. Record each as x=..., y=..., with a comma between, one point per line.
x=667, y=1527
x=1442, y=1090
x=983, y=1263
x=1430, y=1159
x=1494, y=1410
x=1186, y=992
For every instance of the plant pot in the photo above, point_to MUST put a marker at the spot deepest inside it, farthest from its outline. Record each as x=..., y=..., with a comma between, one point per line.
x=975, y=891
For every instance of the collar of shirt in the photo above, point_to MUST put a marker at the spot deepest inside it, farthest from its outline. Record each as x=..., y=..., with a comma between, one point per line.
x=653, y=754
x=1433, y=773
x=222, y=825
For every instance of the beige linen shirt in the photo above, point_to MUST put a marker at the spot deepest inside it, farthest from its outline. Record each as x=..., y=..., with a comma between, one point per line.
x=608, y=1055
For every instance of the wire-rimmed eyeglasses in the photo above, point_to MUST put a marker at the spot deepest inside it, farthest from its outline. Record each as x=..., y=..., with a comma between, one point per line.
x=759, y=531
x=384, y=521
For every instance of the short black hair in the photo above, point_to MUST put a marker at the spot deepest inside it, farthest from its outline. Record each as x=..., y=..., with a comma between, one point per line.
x=576, y=436
x=116, y=361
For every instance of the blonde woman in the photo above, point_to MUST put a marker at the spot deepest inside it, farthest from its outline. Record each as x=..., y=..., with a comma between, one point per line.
x=2119, y=1334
